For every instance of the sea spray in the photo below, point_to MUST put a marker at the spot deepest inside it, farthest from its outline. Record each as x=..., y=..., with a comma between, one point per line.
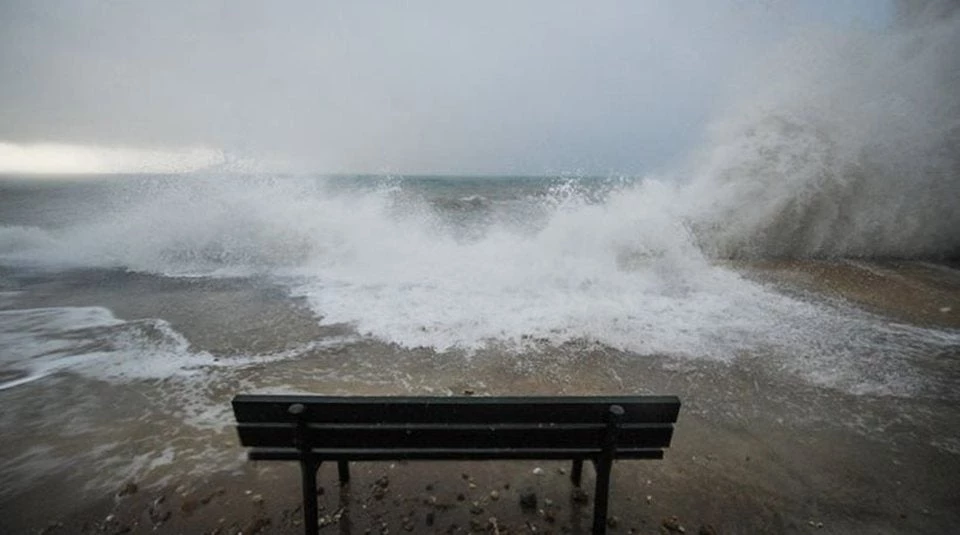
x=840, y=145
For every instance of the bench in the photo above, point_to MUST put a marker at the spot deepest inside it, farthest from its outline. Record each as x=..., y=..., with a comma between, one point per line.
x=313, y=429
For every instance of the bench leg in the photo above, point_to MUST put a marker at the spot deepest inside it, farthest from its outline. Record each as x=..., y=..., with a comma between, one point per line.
x=577, y=472
x=601, y=495
x=308, y=475
x=603, y=464
x=343, y=467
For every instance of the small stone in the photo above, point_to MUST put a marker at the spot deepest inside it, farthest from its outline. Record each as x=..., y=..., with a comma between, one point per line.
x=613, y=522
x=465, y=476
x=129, y=488
x=110, y=518
x=562, y=471
x=580, y=496
x=476, y=509
x=547, y=502
x=472, y=485
x=528, y=500
x=945, y=309
x=468, y=392
x=672, y=525
x=207, y=499
x=189, y=506
x=538, y=471
x=494, y=495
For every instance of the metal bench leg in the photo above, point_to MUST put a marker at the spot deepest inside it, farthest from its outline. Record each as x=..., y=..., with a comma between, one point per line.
x=577, y=472
x=603, y=466
x=343, y=467
x=601, y=496
x=308, y=475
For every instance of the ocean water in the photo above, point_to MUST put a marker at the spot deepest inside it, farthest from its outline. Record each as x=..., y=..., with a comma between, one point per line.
x=447, y=263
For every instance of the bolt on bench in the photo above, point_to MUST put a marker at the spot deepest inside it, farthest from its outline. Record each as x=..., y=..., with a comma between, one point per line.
x=313, y=429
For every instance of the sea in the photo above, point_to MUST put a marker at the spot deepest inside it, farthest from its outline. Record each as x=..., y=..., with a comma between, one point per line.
x=133, y=307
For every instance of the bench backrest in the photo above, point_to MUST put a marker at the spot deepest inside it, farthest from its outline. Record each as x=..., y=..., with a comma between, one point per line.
x=496, y=427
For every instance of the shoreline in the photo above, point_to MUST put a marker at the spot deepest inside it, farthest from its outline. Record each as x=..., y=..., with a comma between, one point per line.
x=757, y=449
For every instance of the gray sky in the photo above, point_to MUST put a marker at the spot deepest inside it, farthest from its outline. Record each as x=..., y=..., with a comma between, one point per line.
x=475, y=87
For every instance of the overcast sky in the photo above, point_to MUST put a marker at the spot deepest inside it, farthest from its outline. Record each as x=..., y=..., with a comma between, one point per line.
x=473, y=87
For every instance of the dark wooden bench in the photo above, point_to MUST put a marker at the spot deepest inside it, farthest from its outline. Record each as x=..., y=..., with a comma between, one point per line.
x=313, y=429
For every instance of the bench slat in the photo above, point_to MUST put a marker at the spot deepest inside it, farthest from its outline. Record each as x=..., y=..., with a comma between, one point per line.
x=439, y=454
x=353, y=409
x=453, y=435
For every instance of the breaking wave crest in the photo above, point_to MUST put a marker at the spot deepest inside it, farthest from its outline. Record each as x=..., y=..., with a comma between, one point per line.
x=845, y=145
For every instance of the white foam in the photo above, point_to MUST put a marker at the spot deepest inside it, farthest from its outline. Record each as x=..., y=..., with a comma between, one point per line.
x=90, y=340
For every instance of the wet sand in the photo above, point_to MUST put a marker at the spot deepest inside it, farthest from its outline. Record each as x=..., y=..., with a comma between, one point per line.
x=755, y=450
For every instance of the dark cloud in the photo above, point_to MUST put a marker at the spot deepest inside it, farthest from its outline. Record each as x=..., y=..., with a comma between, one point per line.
x=424, y=86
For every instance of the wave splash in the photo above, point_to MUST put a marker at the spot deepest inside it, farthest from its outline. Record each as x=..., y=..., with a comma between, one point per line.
x=850, y=146
x=850, y=150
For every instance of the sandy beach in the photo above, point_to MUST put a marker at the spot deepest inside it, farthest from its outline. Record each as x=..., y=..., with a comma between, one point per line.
x=755, y=450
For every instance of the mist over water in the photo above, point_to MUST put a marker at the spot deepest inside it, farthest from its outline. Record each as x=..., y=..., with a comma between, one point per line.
x=843, y=145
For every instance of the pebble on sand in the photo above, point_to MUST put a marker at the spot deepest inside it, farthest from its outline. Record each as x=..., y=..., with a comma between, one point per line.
x=672, y=525
x=528, y=500
x=129, y=488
